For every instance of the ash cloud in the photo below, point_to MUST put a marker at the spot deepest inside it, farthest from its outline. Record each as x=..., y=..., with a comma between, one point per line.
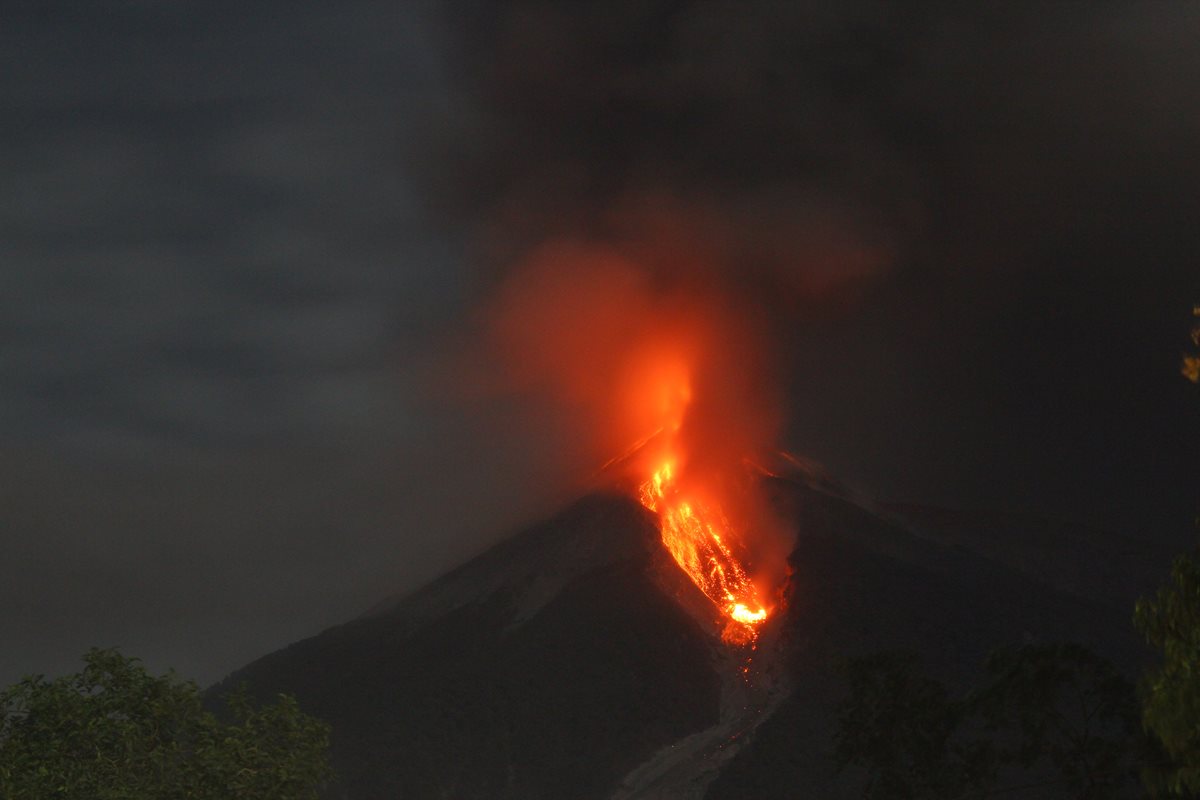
x=967, y=228
x=716, y=126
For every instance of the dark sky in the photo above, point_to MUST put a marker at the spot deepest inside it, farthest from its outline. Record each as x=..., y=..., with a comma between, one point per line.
x=239, y=240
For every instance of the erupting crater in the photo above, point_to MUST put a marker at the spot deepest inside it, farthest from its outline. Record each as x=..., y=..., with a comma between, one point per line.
x=698, y=536
x=690, y=472
x=630, y=352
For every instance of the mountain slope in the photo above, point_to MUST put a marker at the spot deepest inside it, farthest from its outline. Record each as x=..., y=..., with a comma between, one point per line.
x=453, y=694
x=575, y=660
x=862, y=584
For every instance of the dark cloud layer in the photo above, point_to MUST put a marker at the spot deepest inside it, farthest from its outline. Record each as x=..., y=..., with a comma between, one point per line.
x=972, y=226
x=234, y=237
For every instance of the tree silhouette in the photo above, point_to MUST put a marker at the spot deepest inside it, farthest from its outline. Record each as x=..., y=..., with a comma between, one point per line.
x=1051, y=717
x=115, y=732
x=1170, y=621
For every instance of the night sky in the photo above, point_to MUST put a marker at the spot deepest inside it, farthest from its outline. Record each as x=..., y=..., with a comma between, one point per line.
x=245, y=245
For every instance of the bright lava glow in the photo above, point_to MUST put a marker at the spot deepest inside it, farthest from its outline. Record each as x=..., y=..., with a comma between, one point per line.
x=695, y=534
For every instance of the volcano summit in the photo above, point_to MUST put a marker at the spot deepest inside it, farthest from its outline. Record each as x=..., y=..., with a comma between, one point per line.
x=577, y=660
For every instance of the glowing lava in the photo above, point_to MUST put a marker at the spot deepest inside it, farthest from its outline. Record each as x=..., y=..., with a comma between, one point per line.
x=697, y=534
x=622, y=339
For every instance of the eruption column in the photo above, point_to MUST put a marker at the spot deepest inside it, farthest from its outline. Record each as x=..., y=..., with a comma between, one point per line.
x=626, y=349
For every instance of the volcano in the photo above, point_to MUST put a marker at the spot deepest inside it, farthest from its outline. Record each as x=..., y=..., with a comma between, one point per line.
x=578, y=660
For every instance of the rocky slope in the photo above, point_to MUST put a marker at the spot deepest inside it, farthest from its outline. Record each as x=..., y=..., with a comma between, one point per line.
x=576, y=661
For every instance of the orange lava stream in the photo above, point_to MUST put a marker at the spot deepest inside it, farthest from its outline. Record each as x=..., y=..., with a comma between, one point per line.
x=695, y=534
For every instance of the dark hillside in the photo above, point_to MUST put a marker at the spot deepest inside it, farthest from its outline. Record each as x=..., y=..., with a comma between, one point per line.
x=477, y=702
x=863, y=584
x=574, y=660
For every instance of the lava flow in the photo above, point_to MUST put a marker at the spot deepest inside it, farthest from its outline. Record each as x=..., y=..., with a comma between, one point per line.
x=695, y=534
x=627, y=351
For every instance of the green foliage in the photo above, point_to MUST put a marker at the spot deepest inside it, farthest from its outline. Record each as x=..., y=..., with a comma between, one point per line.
x=1053, y=716
x=1171, y=710
x=1068, y=708
x=115, y=732
x=906, y=731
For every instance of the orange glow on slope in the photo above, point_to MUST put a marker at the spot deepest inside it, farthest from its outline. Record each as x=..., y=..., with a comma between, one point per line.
x=697, y=535
x=681, y=371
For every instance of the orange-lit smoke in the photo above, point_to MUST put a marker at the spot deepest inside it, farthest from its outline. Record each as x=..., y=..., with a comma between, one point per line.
x=678, y=377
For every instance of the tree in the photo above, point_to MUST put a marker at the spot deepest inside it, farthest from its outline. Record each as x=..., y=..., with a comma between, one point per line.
x=905, y=730
x=1068, y=710
x=1050, y=717
x=115, y=732
x=1170, y=621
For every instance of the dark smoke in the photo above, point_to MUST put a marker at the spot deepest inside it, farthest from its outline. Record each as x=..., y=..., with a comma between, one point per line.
x=966, y=229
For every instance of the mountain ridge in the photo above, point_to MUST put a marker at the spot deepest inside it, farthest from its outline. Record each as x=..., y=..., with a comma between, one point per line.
x=575, y=660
